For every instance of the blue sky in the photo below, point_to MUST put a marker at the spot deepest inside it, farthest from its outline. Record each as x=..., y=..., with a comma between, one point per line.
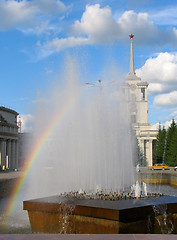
x=36, y=35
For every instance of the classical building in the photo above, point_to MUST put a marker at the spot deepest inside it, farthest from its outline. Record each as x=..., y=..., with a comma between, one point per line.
x=138, y=104
x=8, y=139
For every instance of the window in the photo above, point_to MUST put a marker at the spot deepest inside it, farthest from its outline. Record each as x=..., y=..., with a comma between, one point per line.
x=143, y=93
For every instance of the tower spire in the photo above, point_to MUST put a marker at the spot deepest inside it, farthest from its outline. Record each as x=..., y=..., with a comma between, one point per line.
x=132, y=67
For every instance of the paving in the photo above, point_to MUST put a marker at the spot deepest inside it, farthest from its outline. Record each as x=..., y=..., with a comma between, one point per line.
x=87, y=237
x=16, y=174
x=10, y=174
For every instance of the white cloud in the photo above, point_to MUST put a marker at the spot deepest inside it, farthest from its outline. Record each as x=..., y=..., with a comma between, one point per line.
x=165, y=124
x=13, y=13
x=62, y=43
x=160, y=72
x=97, y=24
x=165, y=16
x=173, y=115
x=167, y=120
x=155, y=126
x=27, y=121
x=138, y=24
x=57, y=45
x=26, y=15
x=47, y=6
x=168, y=99
x=34, y=28
x=156, y=87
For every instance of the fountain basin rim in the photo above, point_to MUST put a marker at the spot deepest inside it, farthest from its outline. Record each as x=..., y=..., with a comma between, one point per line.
x=122, y=210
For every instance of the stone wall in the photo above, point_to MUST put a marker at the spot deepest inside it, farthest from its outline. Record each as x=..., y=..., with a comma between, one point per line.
x=159, y=178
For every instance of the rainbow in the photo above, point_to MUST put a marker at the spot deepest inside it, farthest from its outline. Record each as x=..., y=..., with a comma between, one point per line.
x=34, y=154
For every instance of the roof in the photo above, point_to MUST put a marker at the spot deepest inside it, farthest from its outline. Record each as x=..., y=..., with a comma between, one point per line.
x=8, y=110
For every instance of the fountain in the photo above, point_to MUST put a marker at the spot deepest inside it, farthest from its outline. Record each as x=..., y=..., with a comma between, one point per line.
x=88, y=131
x=81, y=179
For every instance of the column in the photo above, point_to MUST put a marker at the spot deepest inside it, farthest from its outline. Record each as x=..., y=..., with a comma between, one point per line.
x=145, y=151
x=13, y=154
x=150, y=153
x=141, y=146
x=9, y=154
x=0, y=153
x=3, y=154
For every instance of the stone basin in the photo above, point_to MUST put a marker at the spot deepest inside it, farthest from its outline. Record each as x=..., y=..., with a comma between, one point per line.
x=58, y=214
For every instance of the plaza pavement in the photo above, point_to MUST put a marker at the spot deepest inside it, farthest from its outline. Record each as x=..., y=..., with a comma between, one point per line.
x=15, y=174
x=10, y=174
x=88, y=237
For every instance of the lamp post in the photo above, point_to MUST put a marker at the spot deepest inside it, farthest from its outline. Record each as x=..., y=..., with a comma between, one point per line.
x=99, y=84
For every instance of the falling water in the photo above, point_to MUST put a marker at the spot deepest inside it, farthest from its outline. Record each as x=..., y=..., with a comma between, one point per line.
x=90, y=148
x=164, y=221
x=139, y=190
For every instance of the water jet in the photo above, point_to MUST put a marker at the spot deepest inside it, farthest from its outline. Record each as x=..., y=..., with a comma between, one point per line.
x=93, y=150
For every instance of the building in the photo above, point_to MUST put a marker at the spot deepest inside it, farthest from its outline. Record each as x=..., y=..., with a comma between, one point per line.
x=136, y=92
x=8, y=139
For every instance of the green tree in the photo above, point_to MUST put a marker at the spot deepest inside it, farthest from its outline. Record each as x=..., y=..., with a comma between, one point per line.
x=154, y=146
x=160, y=145
x=171, y=145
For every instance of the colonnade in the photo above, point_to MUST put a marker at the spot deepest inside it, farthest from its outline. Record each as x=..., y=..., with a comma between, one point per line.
x=146, y=146
x=8, y=154
x=148, y=152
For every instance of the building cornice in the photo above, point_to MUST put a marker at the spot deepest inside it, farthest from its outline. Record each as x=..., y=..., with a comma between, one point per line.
x=4, y=124
x=8, y=110
x=9, y=135
x=143, y=84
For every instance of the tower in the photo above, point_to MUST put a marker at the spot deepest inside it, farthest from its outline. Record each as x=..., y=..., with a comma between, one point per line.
x=138, y=108
x=137, y=94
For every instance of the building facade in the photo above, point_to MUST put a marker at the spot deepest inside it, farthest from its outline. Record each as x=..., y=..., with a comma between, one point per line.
x=136, y=92
x=8, y=139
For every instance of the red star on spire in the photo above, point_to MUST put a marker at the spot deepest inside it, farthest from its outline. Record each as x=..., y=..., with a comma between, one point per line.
x=131, y=36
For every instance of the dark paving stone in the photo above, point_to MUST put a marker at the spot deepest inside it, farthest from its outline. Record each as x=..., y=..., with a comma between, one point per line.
x=154, y=237
x=87, y=237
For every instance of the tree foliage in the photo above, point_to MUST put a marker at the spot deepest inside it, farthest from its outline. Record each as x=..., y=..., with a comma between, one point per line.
x=171, y=145
x=166, y=147
x=160, y=146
